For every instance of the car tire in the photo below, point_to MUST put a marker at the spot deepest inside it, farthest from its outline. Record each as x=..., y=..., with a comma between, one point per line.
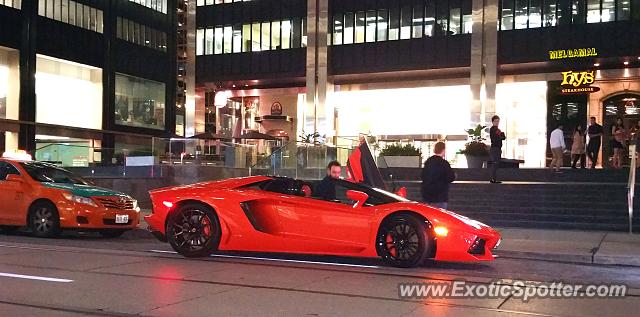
x=44, y=220
x=112, y=233
x=193, y=230
x=403, y=241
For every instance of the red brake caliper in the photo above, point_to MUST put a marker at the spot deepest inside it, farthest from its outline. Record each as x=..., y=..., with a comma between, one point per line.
x=391, y=246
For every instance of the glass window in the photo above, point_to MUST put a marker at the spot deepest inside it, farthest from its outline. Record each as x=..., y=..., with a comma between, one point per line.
x=132, y=31
x=405, y=22
x=506, y=23
x=64, y=11
x=275, y=35
x=246, y=38
x=370, y=31
x=608, y=10
x=442, y=14
x=383, y=25
x=255, y=37
x=348, y=28
x=624, y=10
x=593, y=11
x=72, y=13
x=394, y=24
x=303, y=39
x=237, y=38
x=218, y=38
x=139, y=102
x=42, y=6
x=99, y=22
x=93, y=23
x=286, y=34
x=49, y=9
x=360, y=27
x=418, y=21
x=578, y=14
x=522, y=19
x=549, y=14
x=266, y=37
x=337, y=29
x=208, y=42
x=200, y=42
x=227, y=39
x=296, y=33
x=56, y=9
x=467, y=20
x=455, y=17
x=429, y=18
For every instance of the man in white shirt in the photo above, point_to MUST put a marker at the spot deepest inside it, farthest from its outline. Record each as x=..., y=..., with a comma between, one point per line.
x=556, y=142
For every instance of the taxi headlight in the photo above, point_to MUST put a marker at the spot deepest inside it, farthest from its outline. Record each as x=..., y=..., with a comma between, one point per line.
x=135, y=206
x=80, y=199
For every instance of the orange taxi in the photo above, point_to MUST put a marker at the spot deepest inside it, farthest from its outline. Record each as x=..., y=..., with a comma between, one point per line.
x=48, y=199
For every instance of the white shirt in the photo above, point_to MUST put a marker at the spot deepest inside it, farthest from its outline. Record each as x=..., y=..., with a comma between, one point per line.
x=557, y=139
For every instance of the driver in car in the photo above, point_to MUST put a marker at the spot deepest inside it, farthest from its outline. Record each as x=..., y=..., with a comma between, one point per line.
x=326, y=189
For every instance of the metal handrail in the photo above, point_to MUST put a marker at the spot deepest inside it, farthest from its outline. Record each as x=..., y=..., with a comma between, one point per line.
x=631, y=186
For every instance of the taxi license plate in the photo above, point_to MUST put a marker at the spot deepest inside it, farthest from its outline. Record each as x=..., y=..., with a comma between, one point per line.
x=122, y=219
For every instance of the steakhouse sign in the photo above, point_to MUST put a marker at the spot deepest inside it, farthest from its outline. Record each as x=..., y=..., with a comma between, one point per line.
x=578, y=82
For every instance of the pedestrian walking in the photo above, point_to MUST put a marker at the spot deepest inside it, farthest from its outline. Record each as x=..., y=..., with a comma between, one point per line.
x=495, y=151
x=437, y=174
x=595, y=140
x=556, y=142
x=577, y=148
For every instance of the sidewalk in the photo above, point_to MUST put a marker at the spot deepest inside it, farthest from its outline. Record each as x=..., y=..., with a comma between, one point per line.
x=593, y=247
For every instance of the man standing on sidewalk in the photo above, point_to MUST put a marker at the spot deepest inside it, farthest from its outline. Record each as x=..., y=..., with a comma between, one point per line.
x=556, y=142
x=497, y=137
x=595, y=139
x=436, y=177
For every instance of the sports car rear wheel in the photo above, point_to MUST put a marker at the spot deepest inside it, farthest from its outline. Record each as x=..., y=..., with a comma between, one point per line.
x=193, y=230
x=402, y=241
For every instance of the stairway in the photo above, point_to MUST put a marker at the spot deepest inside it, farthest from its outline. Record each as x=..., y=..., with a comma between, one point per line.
x=581, y=200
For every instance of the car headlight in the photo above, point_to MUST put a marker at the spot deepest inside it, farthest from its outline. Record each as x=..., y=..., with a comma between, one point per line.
x=135, y=205
x=79, y=199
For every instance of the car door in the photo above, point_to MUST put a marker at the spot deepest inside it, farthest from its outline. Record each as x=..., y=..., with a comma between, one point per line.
x=13, y=205
x=328, y=226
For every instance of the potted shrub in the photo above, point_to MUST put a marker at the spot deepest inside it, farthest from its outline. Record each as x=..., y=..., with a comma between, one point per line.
x=398, y=155
x=476, y=151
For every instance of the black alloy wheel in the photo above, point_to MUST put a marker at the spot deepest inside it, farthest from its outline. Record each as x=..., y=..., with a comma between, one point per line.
x=403, y=241
x=193, y=230
x=44, y=220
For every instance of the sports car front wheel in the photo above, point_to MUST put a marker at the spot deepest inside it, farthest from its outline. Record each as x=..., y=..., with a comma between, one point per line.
x=402, y=241
x=193, y=230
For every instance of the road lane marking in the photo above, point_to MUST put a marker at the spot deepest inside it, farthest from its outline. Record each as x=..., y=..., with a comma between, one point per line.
x=36, y=278
x=278, y=260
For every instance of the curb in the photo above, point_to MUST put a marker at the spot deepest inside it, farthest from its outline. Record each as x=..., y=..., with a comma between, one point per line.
x=625, y=260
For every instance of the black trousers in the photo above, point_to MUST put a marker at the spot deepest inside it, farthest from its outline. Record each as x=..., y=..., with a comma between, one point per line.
x=593, y=148
x=576, y=157
x=496, y=157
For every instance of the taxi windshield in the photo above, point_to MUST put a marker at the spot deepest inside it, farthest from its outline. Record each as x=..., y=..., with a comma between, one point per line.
x=49, y=173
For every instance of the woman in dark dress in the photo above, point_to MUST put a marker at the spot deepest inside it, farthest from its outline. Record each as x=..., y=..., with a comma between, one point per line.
x=617, y=143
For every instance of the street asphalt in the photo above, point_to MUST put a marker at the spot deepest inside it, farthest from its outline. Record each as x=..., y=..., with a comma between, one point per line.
x=81, y=274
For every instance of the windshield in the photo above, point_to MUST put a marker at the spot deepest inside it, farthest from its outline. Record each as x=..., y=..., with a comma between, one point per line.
x=48, y=173
x=391, y=195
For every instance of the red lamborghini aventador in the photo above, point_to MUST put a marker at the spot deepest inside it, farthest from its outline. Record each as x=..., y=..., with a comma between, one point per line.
x=278, y=214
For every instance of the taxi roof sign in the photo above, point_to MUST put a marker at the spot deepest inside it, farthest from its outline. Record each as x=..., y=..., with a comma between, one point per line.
x=21, y=155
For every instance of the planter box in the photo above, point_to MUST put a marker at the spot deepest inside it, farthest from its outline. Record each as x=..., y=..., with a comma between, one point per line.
x=399, y=161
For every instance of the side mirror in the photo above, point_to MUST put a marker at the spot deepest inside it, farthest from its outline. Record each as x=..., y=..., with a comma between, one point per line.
x=358, y=196
x=402, y=192
x=14, y=178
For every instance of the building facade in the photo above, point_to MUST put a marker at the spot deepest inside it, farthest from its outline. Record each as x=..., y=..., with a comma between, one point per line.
x=78, y=75
x=418, y=70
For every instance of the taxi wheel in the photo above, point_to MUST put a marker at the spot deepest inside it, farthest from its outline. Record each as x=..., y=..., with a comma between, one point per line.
x=193, y=230
x=112, y=233
x=44, y=220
